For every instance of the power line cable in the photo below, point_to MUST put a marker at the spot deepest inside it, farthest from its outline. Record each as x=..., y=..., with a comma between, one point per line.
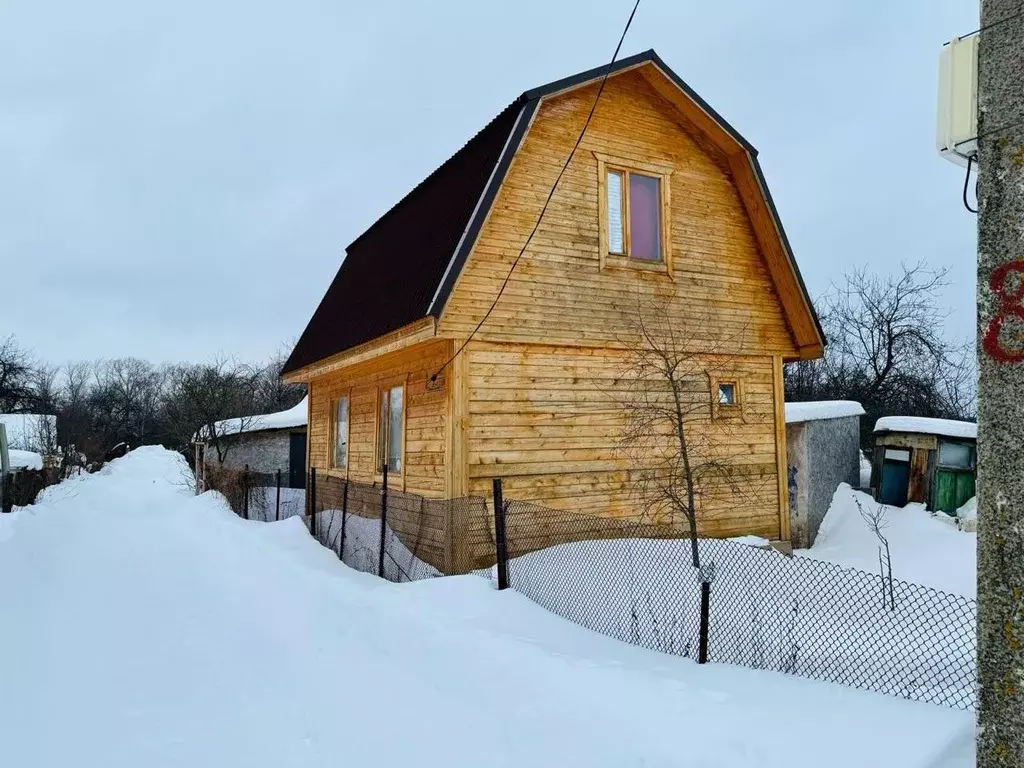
x=579, y=139
x=967, y=178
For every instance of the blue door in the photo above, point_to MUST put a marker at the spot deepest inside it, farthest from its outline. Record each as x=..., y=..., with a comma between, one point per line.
x=895, y=479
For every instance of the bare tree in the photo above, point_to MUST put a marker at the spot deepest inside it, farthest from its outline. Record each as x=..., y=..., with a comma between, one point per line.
x=272, y=392
x=15, y=376
x=876, y=518
x=201, y=397
x=677, y=430
x=887, y=350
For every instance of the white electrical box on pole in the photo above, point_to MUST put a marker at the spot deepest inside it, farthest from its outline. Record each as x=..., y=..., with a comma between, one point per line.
x=957, y=125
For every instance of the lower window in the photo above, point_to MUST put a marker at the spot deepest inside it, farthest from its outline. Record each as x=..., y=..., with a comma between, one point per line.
x=389, y=429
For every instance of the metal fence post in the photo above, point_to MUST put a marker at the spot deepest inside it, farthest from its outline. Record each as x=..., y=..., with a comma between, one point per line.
x=705, y=605
x=344, y=518
x=312, y=502
x=383, y=519
x=706, y=574
x=245, y=488
x=277, y=503
x=500, y=541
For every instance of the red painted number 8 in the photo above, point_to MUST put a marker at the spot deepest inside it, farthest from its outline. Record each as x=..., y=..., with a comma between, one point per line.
x=1009, y=306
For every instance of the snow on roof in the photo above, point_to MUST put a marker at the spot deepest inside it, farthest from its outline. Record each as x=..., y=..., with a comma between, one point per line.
x=822, y=409
x=25, y=459
x=25, y=431
x=293, y=417
x=925, y=426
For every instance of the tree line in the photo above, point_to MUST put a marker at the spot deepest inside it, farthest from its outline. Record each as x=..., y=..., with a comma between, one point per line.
x=887, y=348
x=101, y=404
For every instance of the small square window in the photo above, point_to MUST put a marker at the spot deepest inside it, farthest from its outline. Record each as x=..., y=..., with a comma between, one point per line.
x=727, y=393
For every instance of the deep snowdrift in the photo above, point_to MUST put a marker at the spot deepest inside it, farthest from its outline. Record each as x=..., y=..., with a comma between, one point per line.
x=145, y=627
x=925, y=548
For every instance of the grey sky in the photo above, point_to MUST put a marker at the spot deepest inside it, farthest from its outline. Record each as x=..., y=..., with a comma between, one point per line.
x=181, y=178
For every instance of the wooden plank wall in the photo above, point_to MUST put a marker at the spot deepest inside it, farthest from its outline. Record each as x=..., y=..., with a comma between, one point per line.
x=560, y=294
x=549, y=420
x=425, y=416
x=539, y=404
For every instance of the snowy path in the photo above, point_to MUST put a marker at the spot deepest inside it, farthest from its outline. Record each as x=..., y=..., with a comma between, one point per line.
x=145, y=627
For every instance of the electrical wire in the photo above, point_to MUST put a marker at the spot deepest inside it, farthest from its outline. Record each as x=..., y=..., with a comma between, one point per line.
x=515, y=263
x=995, y=23
x=967, y=178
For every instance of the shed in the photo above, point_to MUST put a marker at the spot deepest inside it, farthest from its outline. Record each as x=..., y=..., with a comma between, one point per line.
x=822, y=449
x=931, y=461
x=265, y=443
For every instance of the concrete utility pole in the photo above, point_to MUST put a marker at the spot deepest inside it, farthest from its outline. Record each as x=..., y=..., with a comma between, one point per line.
x=1001, y=385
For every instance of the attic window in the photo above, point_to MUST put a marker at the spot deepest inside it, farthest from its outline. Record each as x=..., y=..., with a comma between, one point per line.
x=634, y=215
x=634, y=204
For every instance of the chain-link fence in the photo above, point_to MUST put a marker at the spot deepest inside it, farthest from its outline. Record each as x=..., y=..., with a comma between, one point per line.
x=397, y=535
x=264, y=496
x=636, y=581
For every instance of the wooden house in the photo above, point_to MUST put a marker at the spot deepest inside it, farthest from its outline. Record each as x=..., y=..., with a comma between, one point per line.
x=929, y=461
x=662, y=201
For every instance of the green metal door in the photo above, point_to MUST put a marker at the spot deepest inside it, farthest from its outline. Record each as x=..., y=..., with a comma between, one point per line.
x=954, y=489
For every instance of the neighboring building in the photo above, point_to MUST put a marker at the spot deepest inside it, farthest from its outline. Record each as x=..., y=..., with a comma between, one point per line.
x=266, y=443
x=529, y=397
x=931, y=461
x=33, y=432
x=823, y=450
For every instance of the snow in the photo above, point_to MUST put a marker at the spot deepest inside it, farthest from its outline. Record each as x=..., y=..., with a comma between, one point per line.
x=865, y=471
x=25, y=429
x=25, y=459
x=751, y=541
x=924, y=550
x=156, y=628
x=967, y=515
x=293, y=417
x=822, y=409
x=969, y=511
x=922, y=425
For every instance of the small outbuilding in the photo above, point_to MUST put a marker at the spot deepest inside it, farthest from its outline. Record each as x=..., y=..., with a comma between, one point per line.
x=823, y=450
x=931, y=461
x=265, y=443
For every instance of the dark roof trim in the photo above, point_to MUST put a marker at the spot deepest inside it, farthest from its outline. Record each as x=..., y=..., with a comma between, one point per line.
x=630, y=62
x=532, y=98
x=483, y=207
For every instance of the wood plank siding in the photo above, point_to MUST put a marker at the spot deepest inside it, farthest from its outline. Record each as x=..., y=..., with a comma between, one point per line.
x=537, y=396
x=426, y=417
x=543, y=375
x=559, y=293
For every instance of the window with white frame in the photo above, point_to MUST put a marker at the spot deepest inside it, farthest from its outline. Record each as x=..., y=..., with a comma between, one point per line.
x=340, y=452
x=390, y=427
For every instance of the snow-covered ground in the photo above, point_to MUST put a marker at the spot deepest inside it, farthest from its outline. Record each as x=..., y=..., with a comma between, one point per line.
x=925, y=548
x=147, y=627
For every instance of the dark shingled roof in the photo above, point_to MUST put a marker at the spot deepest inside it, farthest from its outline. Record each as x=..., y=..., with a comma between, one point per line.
x=391, y=271
x=414, y=252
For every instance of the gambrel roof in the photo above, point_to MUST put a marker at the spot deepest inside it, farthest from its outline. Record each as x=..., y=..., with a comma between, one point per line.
x=403, y=268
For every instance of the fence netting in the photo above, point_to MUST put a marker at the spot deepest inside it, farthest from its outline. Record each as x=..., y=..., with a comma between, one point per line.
x=420, y=537
x=635, y=580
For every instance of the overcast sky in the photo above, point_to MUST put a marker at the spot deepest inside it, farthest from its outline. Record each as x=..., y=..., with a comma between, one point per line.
x=179, y=179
